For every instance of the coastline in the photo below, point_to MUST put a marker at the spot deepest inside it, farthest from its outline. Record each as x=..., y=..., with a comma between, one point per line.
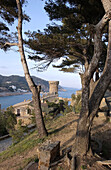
x=3, y=94
x=9, y=99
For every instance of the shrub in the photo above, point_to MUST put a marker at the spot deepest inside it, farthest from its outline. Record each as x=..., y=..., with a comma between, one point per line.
x=10, y=118
x=7, y=121
x=19, y=133
x=3, y=130
x=76, y=103
x=67, y=108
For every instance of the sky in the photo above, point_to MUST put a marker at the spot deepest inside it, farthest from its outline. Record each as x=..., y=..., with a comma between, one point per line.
x=10, y=63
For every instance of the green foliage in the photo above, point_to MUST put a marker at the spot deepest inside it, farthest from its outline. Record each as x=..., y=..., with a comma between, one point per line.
x=73, y=96
x=67, y=108
x=49, y=45
x=30, y=141
x=21, y=83
x=76, y=103
x=7, y=121
x=8, y=10
x=88, y=10
x=36, y=160
x=73, y=39
x=83, y=167
x=32, y=118
x=7, y=125
x=20, y=168
x=10, y=119
x=19, y=133
x=8, y=14
x=55, y=108
x=3, y=130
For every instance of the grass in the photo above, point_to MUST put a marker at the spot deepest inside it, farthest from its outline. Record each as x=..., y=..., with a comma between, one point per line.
x=55, y=127
x=25, y=152
x=26, y=144
x=31, y=159
x=83, y=167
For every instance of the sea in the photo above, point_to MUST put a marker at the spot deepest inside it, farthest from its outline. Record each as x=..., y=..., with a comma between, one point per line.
x=7, y=101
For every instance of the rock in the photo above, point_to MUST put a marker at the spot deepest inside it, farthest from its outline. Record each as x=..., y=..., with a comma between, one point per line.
x=103, y=105
x=48, y=153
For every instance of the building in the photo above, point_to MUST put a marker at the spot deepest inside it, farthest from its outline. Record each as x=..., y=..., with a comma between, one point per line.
x=23, y=111
x=53, y=87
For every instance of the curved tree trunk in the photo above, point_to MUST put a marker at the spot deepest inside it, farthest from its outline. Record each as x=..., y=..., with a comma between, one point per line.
x=35, y=91
x=90, y=104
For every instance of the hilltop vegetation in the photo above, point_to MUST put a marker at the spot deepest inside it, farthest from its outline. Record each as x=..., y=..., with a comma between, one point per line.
x=18, y=83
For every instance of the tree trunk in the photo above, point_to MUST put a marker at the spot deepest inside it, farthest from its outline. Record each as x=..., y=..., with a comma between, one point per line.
x=35, y=92
x=82, y=141
x=106, y=5
x=90, y=105
x=97, y=75
x=38, y=113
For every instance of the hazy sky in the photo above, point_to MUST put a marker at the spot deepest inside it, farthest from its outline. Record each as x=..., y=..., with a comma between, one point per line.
x=10, y=63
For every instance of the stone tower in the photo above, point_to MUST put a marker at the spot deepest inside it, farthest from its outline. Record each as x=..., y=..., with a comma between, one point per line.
x=53, y=87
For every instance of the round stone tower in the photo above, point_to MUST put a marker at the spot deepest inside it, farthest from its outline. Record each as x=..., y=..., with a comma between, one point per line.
x=53, y=87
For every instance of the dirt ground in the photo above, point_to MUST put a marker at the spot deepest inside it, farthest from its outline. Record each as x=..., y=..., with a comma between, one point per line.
x=63, y=130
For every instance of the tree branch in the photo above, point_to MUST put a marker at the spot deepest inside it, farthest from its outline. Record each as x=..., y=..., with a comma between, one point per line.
x=97, y=45
x=106, y=5
x=104, y=20
x=103, y=82
x=9, y=44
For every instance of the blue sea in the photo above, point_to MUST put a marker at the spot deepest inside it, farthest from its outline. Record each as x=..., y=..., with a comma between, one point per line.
x=7, y=101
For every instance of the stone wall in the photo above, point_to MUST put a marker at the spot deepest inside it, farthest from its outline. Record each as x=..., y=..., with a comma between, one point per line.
x=25, y=120
x=78, y=92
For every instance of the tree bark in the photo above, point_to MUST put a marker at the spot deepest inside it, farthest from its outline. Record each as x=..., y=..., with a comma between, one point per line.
x=106, y=5
x=90, y=104
x=97, y=75
x=35, y=92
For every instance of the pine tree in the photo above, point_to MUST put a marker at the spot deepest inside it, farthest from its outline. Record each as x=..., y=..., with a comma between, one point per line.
x=83, y=25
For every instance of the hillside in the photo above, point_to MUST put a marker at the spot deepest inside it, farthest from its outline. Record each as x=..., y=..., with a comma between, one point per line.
x=60, y=129
x=18, y=84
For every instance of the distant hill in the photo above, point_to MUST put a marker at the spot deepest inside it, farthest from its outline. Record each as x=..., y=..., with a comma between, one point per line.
x=17, y=83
